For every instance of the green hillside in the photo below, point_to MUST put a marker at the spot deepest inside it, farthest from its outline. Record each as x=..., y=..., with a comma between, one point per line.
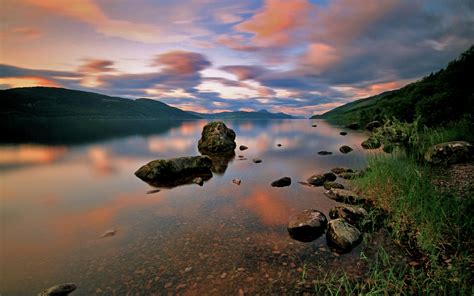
x=442, y=97
x=47, y=102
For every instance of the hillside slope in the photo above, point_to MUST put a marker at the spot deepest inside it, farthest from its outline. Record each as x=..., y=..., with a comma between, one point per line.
x=47, y=102
x=442, y=97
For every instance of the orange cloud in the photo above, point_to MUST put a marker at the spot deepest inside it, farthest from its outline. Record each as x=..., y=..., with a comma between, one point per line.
x=371, y=90
x=89, y=12
x=28, y=81
x=182, y=62
x=274, y=24
x=28, y=32
x=320, y=57
x=236, y=42
x=96, y=66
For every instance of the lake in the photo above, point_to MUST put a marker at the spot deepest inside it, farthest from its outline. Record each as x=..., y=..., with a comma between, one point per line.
x=59, y=196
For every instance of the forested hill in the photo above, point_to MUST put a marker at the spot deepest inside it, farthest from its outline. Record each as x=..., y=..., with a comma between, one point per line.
x=48, y=102
x=441, y=97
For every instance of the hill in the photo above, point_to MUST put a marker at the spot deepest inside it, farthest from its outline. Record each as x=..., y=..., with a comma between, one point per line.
x=48, y=102
x=442, y=97
x=262, y=114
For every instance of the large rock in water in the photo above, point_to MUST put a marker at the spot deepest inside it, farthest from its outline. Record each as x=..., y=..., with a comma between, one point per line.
x=342, y=236
x=175, y=171
x=449, y=153
x=59, y=290
x=216, y=139
x=282, y=182
x=307, y=225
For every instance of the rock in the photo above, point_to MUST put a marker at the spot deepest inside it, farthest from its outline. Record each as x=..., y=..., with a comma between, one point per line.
x=199, y=181
x=371, y=143
x=342, y=236
x=345, y=196
x=330, y=176
x=153, y=191
x=353, y=126
x=59, y=290
x=216, y=139
x=449, y=153
x=175, y=171
x=241, y=156
x=339, y=170
x=282, y=182
x=316, y=180
x=351, y=175
x=352, y=214
x=307, y=225
x=324, y=153
x=315, y=125
x=278, y=145
x=257, y=160
x=328, y=185
x=345, y=149
x=373, y=125
x=108, y=233
x=236, y=181
x=343, y=133
x=243, y=147
x=221, y=162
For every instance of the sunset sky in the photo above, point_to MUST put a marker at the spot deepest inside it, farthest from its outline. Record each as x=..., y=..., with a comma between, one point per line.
x=301, y=57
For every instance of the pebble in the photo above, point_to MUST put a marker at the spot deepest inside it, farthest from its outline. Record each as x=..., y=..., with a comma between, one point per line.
x=223, y=275
x=188, y=269
x=237, y=181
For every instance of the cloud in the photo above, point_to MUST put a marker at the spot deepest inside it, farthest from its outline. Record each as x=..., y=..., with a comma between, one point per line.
x=236, y=42
x=89, y=12
x=245, y=72
x=19, y=77
x=94, y=66
x=182, y=62
x=276, y=22
x=28, y=32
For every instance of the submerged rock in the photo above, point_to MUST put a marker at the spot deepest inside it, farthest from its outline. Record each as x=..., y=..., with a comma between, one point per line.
x=352, y=214
x=328, y=185
x=316, y=180
x=353, y=126
x=371, y=143
x=324, y=153
x=343, y=133
x=59, y=290
x=216, y=139
x=257, y=160
x=175, y=171
x=278, y=145
x=342, y=236
x=346, y=196
x=315, y=125
x=243, y=147
x=307, y=225
x=282, y=182
x=345, y=149
x=373, y=125
x=449, y=153
x=221, y=162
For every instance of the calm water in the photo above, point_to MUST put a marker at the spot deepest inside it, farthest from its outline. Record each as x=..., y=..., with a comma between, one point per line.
x=56, y=202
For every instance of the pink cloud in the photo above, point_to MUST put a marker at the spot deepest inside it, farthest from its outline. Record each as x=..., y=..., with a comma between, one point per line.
x=236, y=42
x=28, y=32
x=244, y=72
x=96, y=66
x=182, y=62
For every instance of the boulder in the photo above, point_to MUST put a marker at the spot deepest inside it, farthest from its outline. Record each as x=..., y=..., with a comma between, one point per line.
x=343, y=133
x=371, y=143
x=345, y=149
x=316, y=180
x=342, y=236
x=449, y=153
x=59, y=290
x=330, y=176
x=373, y=125
x=175, y=171
x=345, y=196
x=216, y=139
x=352, y=214
x=307, y=225
x=282, y=182
x=324, y=153
x=353, y=126
x=328, y=185
x=243, y=147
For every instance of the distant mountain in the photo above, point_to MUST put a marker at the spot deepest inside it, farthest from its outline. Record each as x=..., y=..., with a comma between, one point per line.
x=261, y=114
x=447, y=95
x=48, y=102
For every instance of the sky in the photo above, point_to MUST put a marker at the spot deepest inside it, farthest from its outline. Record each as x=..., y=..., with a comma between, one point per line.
x=300, y=57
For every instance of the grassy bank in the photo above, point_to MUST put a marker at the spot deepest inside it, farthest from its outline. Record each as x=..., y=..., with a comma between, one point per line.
x=434, y=226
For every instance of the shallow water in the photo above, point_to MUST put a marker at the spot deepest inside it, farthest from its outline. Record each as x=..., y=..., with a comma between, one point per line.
x=221, y=238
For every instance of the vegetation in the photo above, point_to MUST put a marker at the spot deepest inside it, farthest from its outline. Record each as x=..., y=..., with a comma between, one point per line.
x=437, y=99
x=48, y=102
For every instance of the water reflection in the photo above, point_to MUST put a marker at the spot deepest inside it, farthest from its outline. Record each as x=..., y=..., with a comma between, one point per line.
x=61, y=198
